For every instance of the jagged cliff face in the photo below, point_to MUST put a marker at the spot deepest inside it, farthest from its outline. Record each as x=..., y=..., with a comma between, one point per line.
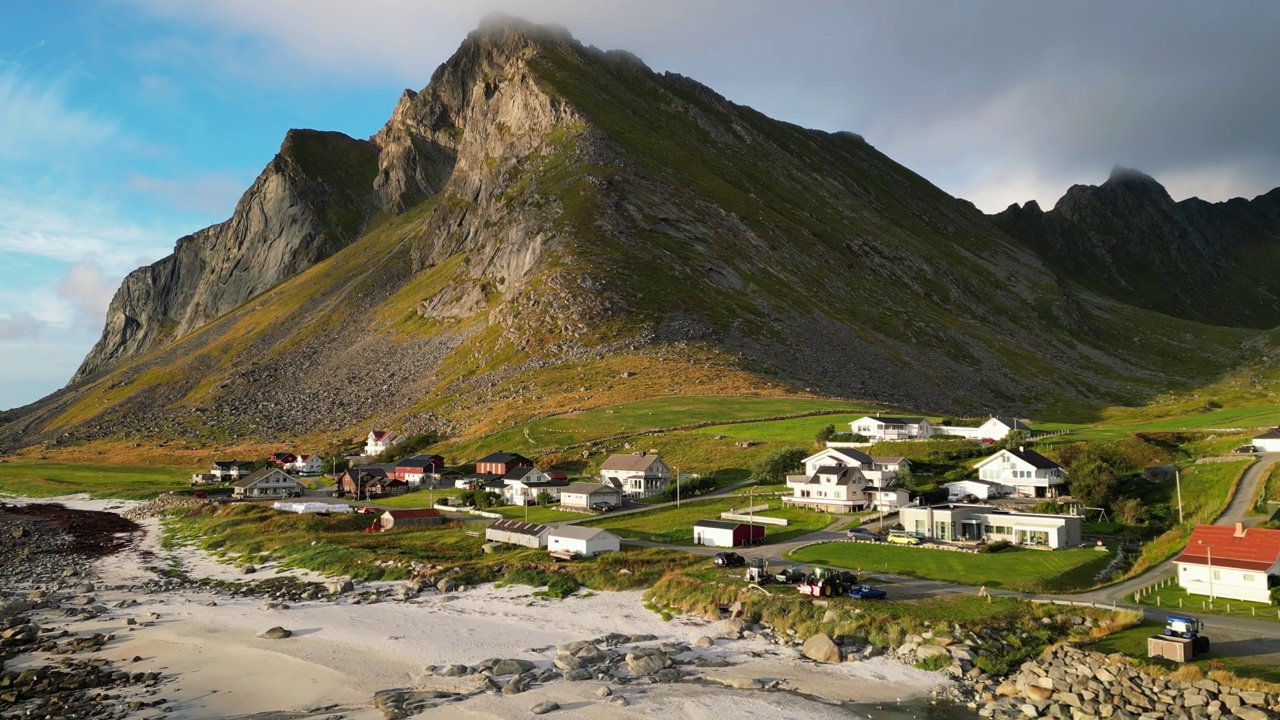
x=543, y=216
x=1128, y=239
x=308, y=203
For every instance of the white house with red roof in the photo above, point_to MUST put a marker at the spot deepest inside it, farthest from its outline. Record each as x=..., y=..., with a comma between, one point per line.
x=1225, y=561
x=378, y=441
x=307, y=464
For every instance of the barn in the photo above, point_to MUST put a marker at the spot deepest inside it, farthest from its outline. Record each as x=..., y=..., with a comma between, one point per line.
x=726, y=533
x=516, y=532
x=1268, y=441
x=573, y=540
x=398, y=518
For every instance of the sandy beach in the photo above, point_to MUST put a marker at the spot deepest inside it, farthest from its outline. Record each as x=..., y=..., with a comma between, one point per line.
x=342, y=652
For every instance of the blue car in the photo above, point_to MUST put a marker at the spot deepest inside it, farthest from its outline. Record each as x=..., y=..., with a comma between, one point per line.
x=867, y=592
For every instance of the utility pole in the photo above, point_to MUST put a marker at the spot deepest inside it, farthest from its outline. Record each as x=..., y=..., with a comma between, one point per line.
x=1177, y=474
x=677, y=474
x=1209, y=550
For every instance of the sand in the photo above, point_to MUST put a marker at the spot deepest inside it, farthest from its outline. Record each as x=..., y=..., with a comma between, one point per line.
x=341, y=652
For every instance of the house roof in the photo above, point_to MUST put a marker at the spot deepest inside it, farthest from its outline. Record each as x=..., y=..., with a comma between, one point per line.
x=519, y=527
x=232, y=463
x=519, y=473
x=504, y=457
x=384, y=436
x=1272, y=434
x=483, y=477
x=419, y=461
x=630, y=462
x=254, y=477
x=1011, y=423
x=577, y=532
x=1030, y=457
x=408, y=514
x=885, y=460
x=373, y=472
x=1231, y=546
x=718, y=524
x=589, y=488
x=851, y=455
x=988, y=483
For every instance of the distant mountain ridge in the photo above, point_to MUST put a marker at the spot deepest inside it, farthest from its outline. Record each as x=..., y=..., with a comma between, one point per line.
x=546, y=226
x=1128, y=240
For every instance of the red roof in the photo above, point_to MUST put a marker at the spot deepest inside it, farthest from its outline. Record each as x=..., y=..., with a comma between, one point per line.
x=402, y=514
x=1254, y=548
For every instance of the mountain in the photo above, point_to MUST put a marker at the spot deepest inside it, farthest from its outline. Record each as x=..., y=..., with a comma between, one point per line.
x=1128, y=240
x=548, y=227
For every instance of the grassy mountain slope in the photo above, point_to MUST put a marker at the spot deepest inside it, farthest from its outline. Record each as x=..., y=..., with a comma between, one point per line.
x=579, y=232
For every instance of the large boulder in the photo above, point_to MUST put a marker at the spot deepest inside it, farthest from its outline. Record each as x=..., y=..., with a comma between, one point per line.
x=643, y=661
x=543, y=708
x=821, y=648
x=276, y=633
x=339, y=586
x=511, y=667
x=928, y=651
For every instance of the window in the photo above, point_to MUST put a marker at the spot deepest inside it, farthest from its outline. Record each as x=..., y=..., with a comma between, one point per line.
x=1217, y=574
x=1248, y=577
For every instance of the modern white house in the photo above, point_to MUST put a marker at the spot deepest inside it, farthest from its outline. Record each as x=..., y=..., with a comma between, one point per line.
x=378, y=441
x=581, y=541
x=307, y=464
x=1268, y=441
x=890, y=498
x=516, y=532
x=230, y=469
x=523, y=484
x=881, y=471
x=954, y=522
x=582, y=496
x=843, y=480
x=1029, y=473
x=1224, y=561
x=981, y=489
x=638, y=475
x=267, y=482
x=879, y=427
x=995, y=428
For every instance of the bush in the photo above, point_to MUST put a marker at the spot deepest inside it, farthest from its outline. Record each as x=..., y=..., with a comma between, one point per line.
x=690, y=487
x=561, y=586
x=934, y=662
x=998, y=663
x=996, y=546
x=773, y=468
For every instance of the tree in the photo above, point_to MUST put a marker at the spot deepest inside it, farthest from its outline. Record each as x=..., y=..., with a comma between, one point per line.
x=544, y=497
x=826, y=433
x=1092, y=481
x=1014, y=438
x=1129, y=511
x=773, y=468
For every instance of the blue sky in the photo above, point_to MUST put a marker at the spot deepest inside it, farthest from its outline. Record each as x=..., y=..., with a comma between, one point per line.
x=125, y=124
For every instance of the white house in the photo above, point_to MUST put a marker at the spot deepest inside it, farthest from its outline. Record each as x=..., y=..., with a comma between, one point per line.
x=981, y=489
x=378, y=441
x=1029, y=473
x=582, y=496
x=879, y=427
x=830, y=489
x=267, y=482
x=523, y=484
x=889, y=499
x=1222, y=561
x=1268, y=441
x=876, y=473
x=516, y=532
x=995, y=428
x=307, y=465
x=639, y=475
x=230, y=469
x=581, y=541
x=982, y=522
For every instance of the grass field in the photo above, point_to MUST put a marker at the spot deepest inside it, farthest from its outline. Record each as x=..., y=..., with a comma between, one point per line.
x=1267, y=500
x=130, y=482
x=537, y=513
x=418, y=498
x=1173, y=597
x=1013, y=569
x=675, y=525
x=1133, y=642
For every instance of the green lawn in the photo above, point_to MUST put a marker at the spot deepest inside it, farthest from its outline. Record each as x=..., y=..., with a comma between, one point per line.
x=130, y=482
x=1267, y=500
x=675, y=525
x=1133, y=643
x=800, y=431
x=1172, y=597
x=537, y=513
x=1017, y=569
x=418, y=498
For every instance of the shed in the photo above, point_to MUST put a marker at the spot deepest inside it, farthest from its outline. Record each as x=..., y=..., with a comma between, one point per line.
x=581, y=541
x=981, y=489
x=1268, y=441
x=516, y=532
x=727, y=533
x=584, y=495
x=425, y=516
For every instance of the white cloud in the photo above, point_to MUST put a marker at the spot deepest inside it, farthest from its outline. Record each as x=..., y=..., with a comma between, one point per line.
x=38, y=121
x=20, y=326
x=88, y=292
x=72, y=230
x=208, y=193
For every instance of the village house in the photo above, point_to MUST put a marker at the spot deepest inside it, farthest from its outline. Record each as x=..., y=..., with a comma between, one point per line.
x=727, y=533
x=442, y=478
x=843, y=480
x=1224, y=561
x=995, y=428
x=582, y=496
x=412, y=469
x=895, y=464
x=955, y=522
x=1268, y=441
x=576, y=541
x=379, y=441
x=282, y=460
x=230, y=469
x=1029, y=473
x=524, y=484
x=307, y=464
x=368, y=481
x=638, y=475
x=980, y=489
x=516, y=532
x=481, y=481
x=889, y=499
x=879, y=427
x=410, y=518
x=267, y=482
x=501, y=463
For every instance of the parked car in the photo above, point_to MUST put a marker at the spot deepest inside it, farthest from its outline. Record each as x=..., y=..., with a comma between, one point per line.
x=338, y=493
x=729, y=559
x=862, y=534
x=903, y=538
x=367, y=510
x=1248, y=449
x=867, y=592
x=201, y=494
x=602, y=506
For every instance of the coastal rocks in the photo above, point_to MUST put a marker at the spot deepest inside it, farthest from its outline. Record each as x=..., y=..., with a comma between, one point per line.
x=543, y=708
x=821, y=648
x=647, y=661
x=247, y=569
x=511, y=667
x=455, y=671
x=276, y=633
x=398, y=704
x=340, y=586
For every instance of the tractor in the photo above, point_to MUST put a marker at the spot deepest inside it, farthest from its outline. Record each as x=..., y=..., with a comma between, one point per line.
x=825, y=582
x=758, y=572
